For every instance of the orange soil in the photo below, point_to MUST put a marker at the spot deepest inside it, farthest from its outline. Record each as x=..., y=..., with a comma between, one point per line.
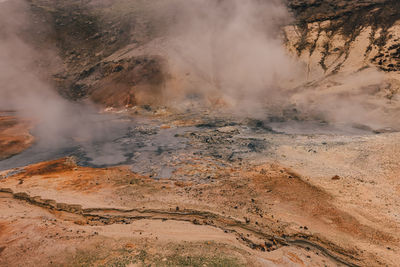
x=14, y=136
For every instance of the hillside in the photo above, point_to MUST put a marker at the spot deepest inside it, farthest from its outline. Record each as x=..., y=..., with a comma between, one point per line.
x=329, y=36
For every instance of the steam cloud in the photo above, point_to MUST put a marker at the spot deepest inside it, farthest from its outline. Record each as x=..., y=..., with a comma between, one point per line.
x=24, y=84
x=25, y=88
x=232, y=50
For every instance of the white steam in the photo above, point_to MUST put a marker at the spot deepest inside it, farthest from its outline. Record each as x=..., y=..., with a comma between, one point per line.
x=25, y=88
x=231, y=50
x=232, y=53
x=24, y=85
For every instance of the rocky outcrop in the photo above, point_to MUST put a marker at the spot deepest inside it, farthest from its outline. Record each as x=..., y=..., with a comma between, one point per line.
x=329, y=35
x=377, y=11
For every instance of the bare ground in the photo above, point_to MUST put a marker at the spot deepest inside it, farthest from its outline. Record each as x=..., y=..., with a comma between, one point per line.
x=14, y=136
x=315, y=201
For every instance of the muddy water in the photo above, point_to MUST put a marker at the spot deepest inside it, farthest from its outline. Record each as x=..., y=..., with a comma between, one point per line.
x=141, y=143
x=115, y=140
x=318, y=128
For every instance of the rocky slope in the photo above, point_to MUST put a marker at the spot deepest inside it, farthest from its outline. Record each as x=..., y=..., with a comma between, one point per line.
x=330, y=37
x=351, y=54
x=333, y=34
